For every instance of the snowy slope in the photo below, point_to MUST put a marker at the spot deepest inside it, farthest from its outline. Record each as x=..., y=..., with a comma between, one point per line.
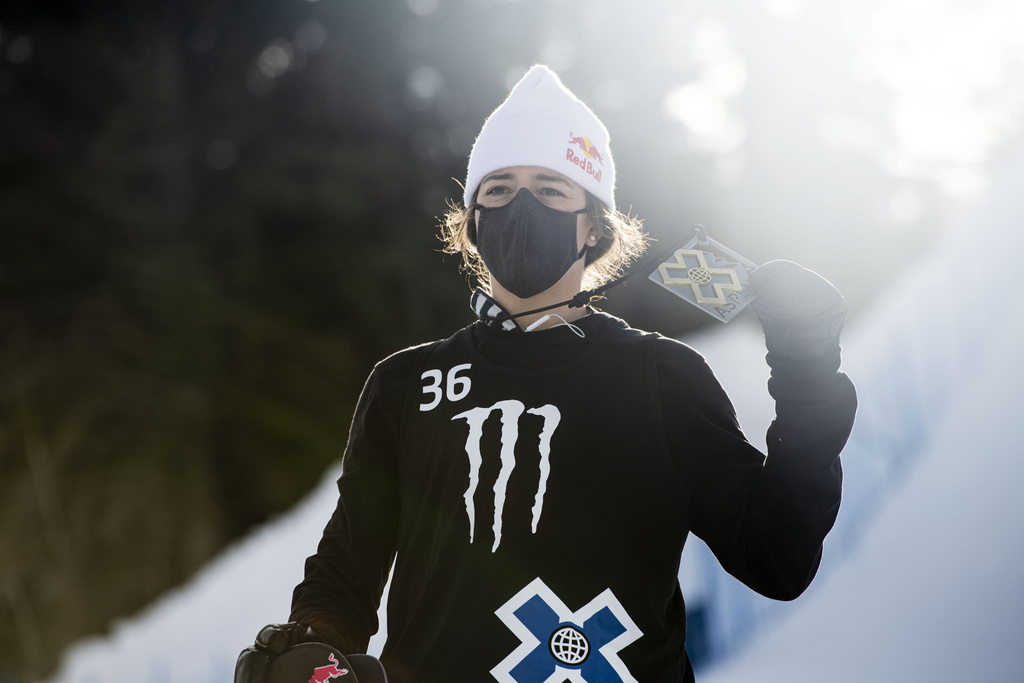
x=919, y=578
x=195, y=634
x=933, y=592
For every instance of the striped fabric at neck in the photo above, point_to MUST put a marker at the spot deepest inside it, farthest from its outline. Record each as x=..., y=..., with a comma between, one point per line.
x=487, y=309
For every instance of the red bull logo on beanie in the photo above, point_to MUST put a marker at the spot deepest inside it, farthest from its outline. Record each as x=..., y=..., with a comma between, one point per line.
x=585, y=160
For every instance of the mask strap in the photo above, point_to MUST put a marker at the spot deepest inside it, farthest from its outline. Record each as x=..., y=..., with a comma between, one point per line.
x=583, y=251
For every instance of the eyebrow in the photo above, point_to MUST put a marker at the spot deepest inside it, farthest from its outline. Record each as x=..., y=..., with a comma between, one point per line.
x=499, y=176
x=540, y=176
x=551, y=178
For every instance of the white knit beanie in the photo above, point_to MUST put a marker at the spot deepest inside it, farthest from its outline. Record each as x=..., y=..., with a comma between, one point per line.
x=543, y=124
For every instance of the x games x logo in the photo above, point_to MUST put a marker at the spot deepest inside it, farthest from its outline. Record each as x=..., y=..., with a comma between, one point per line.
x=581, y=646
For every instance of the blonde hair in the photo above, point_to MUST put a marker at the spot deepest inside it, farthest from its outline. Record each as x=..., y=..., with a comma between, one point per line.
x=621, y=240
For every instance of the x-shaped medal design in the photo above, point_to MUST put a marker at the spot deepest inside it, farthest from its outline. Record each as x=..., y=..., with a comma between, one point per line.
x=701, y=275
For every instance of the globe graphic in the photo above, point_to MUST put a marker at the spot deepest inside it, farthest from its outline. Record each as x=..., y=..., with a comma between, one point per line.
x=569, y=646
x=699, y=276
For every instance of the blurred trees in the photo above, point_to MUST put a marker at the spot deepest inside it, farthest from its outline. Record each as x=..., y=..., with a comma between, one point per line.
x=201, y=257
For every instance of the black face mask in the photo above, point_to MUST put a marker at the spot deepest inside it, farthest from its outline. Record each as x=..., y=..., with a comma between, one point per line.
x=527, y=246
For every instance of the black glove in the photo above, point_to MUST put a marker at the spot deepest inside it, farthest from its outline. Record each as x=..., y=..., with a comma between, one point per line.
x=253, y=663
x=801, y=312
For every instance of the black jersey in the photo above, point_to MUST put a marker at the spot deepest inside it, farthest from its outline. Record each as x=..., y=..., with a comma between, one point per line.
x=538, y=489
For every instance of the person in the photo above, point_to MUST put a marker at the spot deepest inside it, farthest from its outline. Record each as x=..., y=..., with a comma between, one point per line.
x=533, y=478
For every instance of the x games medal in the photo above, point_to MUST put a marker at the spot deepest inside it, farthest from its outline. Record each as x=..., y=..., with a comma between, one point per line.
x=710, y=276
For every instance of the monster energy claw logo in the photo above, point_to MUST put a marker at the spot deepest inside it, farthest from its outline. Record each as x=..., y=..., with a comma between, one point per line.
x=510, y=412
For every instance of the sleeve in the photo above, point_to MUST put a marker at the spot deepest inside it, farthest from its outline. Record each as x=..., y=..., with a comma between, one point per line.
x=340, y=594
x=765, y=519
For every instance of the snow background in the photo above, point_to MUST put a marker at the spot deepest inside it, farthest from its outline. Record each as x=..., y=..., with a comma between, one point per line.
x=920, y=579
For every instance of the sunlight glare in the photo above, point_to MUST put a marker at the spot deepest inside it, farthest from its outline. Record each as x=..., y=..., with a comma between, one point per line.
x=954, y=72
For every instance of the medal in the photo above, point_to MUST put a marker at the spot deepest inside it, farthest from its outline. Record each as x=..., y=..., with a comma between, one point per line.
x=707, y=275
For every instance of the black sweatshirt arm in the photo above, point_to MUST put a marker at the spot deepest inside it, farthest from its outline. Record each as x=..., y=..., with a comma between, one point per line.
x=340, y=594
x=765, y=518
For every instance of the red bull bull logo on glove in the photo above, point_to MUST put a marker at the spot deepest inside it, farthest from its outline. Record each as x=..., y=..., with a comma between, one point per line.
x=322, y=674
x=587, y=159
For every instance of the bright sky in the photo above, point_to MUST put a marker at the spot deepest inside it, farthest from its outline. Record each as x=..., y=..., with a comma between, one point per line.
x=932, y=86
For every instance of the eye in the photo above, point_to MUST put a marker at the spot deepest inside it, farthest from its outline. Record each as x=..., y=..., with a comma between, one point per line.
x=495, y=190
x=551, y=192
